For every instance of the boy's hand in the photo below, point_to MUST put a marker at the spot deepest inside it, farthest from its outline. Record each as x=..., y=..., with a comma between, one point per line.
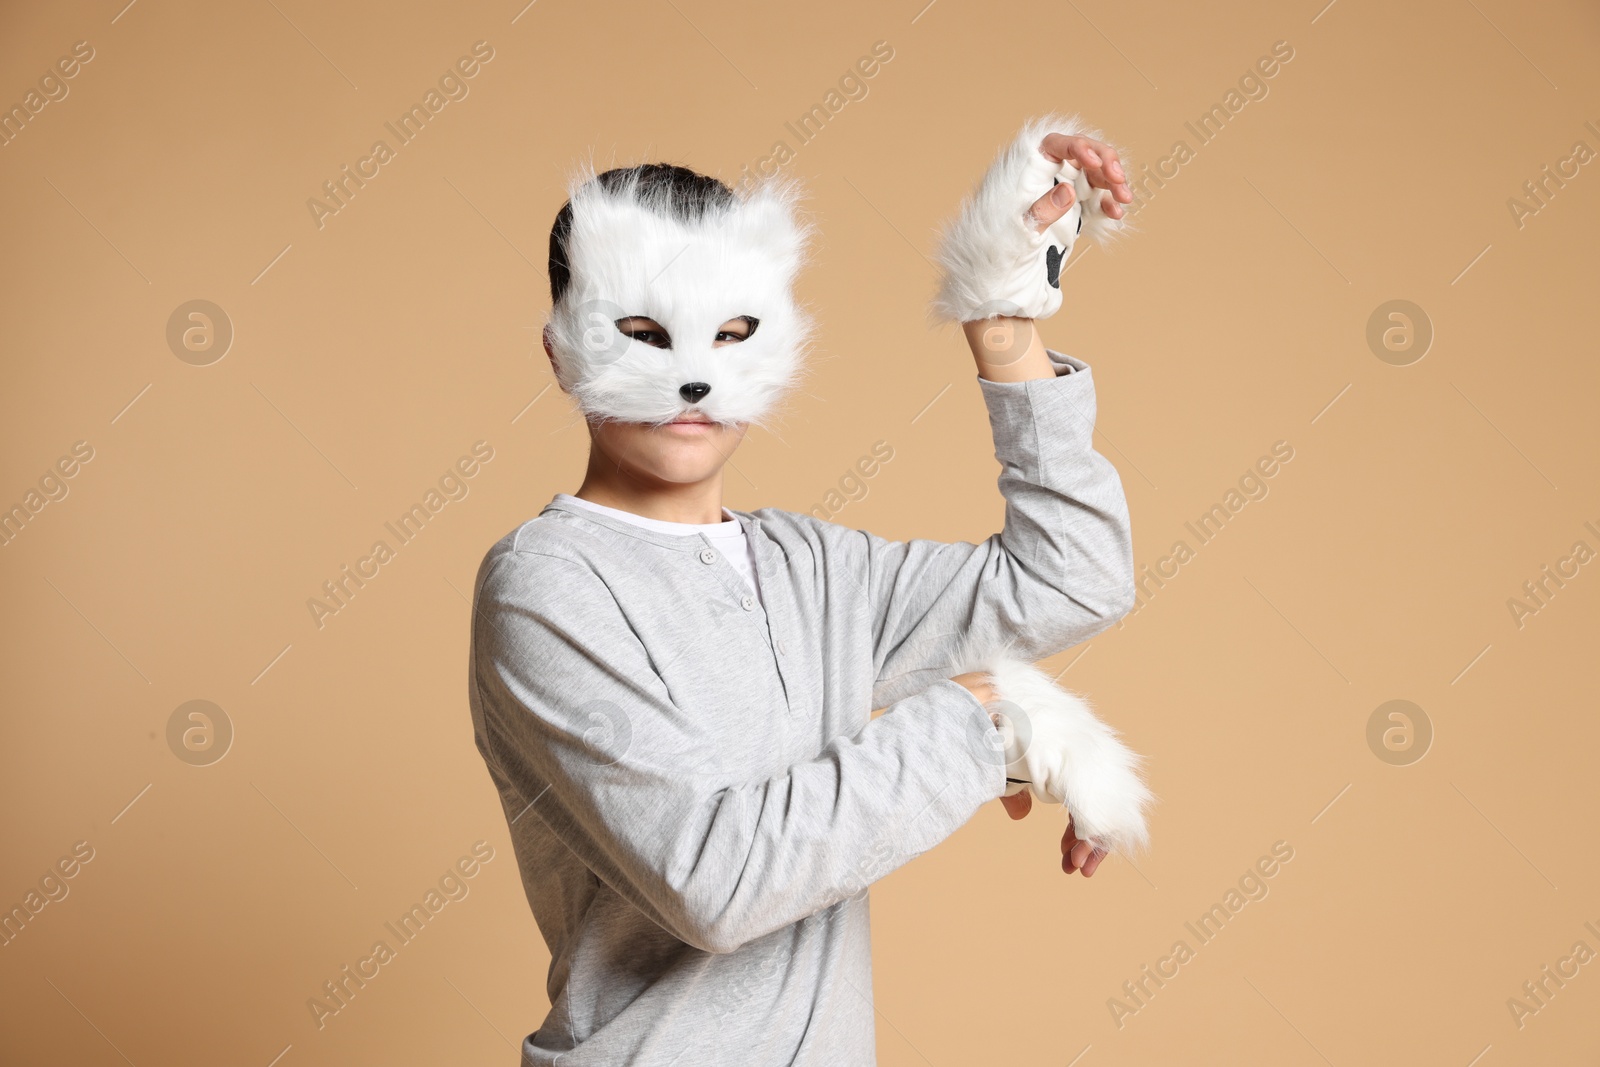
x=1076, y=855
x=1002, y=254
x=1018, y=805
x=1079, y=855
x=1100, y=165
x=979, y=685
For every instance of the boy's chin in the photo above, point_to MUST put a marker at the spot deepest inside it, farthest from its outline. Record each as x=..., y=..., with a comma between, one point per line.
x=672, y=453
x=679, y=466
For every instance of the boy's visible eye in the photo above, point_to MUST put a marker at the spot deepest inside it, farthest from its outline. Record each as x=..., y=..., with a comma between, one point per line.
x=645, y=331
x=742, y=327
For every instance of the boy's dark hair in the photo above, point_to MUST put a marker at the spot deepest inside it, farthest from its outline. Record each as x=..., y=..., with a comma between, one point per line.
x=687, y=194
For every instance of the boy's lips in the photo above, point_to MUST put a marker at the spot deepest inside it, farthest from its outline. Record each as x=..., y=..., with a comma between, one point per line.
x=689, y=424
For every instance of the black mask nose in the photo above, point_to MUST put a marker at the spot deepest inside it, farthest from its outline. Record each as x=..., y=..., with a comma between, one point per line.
x=694, y=392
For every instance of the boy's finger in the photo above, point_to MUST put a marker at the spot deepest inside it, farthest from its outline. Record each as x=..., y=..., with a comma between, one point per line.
x=1051, y=206
x=1084, y=155
x=1018, y=804
x=1092, y=864
x=1058, y=146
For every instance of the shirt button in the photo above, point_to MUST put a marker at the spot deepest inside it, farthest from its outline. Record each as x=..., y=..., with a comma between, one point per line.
x=780, y=648
x=707, y=556
x=748, y=603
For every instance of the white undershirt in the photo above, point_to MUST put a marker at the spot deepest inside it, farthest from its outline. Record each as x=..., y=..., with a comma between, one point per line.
x=728, y=536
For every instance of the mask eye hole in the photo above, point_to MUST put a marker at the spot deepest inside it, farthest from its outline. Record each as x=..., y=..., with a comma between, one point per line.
x=645, y=331
x=739, y=328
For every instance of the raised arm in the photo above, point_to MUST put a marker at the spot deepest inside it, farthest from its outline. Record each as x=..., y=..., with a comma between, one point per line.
x=1061, y=569
x=569, y=709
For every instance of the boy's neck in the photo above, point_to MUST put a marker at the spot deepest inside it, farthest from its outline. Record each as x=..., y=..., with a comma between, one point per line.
x=696, y=502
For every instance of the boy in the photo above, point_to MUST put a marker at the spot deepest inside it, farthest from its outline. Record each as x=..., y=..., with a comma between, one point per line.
x=674, y=700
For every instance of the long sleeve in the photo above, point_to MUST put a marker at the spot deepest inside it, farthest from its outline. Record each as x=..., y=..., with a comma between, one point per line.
x=571, y=710
x=1059, y=572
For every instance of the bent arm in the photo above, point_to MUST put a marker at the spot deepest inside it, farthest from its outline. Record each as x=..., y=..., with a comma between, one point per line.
x=1061, y=569
x=570, y=710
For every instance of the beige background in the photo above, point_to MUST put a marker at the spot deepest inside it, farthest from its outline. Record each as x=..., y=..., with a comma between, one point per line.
x=370, y=353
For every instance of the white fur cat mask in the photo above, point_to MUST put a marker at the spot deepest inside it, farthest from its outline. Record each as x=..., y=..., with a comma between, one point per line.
x=631, y=252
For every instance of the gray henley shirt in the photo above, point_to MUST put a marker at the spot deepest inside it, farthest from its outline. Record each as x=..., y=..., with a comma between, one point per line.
x=697, y=793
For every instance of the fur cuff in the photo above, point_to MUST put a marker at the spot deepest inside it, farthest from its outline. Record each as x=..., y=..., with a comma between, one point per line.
x=1066, y=755
x=993, y=261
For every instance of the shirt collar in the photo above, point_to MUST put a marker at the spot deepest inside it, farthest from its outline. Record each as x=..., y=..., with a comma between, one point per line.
x=677, y=542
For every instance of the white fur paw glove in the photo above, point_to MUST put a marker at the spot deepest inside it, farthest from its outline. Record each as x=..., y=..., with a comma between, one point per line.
x=1058, y=748
x=994, y=260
